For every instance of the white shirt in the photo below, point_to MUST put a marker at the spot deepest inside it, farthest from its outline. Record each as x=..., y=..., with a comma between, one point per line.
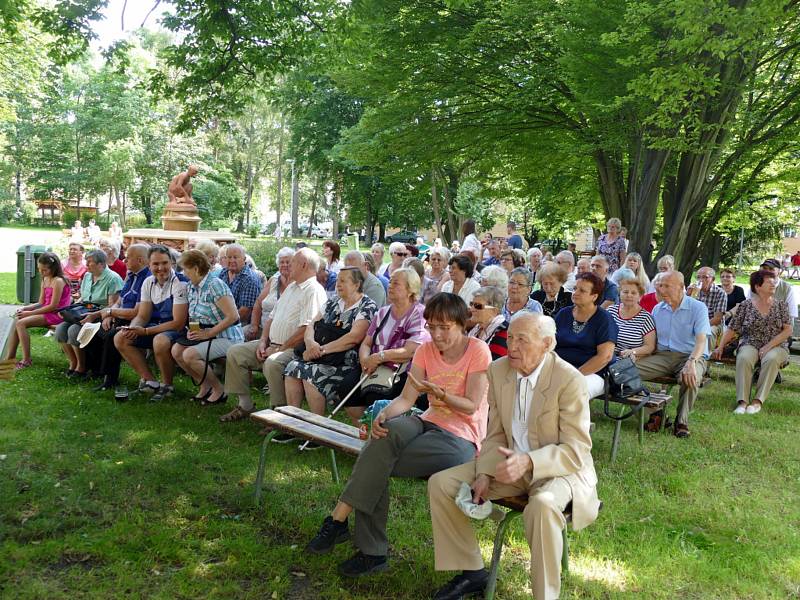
x=467, y=290
x=155, y=293
x=298, y=305
x=523, y=399
x=569, y=284
x=472, y=243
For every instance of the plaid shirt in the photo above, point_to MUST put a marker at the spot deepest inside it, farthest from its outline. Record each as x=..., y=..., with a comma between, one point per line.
x=245, y=287
x=716, y=300
x=203, y=306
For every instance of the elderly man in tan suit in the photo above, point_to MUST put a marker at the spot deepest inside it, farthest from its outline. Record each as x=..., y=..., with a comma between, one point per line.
x=538, y=445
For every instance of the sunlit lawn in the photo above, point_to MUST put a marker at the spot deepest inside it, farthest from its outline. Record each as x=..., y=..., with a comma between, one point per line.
x=106, y=500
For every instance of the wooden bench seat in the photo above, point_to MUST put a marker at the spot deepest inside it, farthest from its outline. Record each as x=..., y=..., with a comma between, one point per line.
x=308, y=426
x=657, y=401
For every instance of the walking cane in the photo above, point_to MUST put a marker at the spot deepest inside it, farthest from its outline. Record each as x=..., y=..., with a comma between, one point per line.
x=340, y=405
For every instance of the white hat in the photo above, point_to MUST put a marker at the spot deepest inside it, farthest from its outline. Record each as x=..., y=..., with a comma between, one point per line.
x=86, y=333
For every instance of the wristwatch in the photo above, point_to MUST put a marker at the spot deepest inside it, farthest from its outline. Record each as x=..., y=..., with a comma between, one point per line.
x=382, y=355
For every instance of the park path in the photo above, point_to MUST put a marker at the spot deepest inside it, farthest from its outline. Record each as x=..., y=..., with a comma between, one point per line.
x=11, y=239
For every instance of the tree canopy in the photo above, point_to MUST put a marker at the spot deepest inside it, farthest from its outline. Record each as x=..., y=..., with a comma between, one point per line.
x=673, y=115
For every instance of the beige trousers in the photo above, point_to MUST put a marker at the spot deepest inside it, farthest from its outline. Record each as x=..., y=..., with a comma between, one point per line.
x=241, y=359
x=670, y=364
x=746, y=361
x=455, y=546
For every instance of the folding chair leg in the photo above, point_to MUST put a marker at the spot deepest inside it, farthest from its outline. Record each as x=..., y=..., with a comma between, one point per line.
x=334, y=468
x=499, y=540
x=564, y=552
x=262, y=463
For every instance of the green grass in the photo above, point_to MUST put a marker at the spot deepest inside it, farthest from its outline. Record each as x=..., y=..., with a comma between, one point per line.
x=106, y=500
x=8, y=288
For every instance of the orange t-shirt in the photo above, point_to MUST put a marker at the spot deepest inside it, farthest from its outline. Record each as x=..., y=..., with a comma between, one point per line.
x=453, y=379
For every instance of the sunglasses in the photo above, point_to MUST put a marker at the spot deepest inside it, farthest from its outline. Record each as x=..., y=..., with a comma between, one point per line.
x=400, y=253
x=479, y=306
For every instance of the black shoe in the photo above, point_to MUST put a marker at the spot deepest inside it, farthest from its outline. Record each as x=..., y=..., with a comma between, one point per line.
x=462, y=585
x=283, y=438
x=362, y=564
x=331, y=533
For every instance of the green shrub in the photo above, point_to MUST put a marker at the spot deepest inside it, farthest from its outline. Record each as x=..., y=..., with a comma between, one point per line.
x=252, y=230
x=263, y=253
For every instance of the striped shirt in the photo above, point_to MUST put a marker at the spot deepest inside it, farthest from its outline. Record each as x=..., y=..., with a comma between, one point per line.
x=203, y=306
x=631, y=331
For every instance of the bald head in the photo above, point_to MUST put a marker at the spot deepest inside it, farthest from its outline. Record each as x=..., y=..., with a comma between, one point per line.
x=136, y=257
x=530, y=337
x=670, y=288
x=584, y=266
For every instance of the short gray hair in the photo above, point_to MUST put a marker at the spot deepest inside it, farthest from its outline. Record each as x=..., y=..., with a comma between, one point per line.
x=412, y=280
x=443, y=252
x=614, y=221
x=283, y=253
x=207, y=247
x=566, y=255
x=493, y=295
x=97, y=256
x=355, y=257
x=525, y=272
x=314, y=260
x=545, y=326
x=112, y=243
x=237, y=247
x=395, y=246
x=494, y=276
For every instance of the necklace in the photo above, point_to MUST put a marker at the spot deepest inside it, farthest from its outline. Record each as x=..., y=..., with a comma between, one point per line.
x=577, y=326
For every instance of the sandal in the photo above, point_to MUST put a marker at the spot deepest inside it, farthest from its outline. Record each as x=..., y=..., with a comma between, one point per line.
x=22, y=364
x=221, y=400
x=680, y=430
x=237, y=414
x=203, y=397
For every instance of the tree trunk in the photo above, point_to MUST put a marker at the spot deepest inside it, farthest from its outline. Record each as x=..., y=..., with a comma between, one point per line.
x=435, y=199
x=314, y=197
x=381, y=232
x=338, y=193
x=18, y=187
x=248, y=197
x=279, y=175
x=123, y=217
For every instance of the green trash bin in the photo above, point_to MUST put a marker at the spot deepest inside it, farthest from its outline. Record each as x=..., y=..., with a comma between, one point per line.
x=29, y=282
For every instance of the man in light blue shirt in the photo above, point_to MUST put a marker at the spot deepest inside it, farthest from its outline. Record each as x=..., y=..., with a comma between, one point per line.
x=682, y=331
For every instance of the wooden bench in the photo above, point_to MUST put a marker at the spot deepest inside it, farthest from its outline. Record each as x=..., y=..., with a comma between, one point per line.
x=658, y=401
x=308, y=426
x=516, y=505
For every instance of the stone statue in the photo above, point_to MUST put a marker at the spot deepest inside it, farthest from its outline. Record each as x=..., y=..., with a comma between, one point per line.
x=180, y=188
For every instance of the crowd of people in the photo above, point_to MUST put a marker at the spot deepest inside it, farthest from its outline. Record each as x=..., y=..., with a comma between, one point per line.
x=498, y=348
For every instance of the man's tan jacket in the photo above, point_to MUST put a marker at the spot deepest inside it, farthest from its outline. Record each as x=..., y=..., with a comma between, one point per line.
x=558, y=430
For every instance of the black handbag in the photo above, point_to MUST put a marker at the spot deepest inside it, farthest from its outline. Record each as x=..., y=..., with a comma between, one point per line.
x=74, y=313
x=622, y=381
x=324, y=333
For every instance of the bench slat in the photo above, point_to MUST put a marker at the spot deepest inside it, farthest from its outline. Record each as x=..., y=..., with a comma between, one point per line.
x=309, y=431
x=305, y=415
x=657, y=401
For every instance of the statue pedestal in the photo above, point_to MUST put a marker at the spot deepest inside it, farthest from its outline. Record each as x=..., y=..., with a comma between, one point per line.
x=180, y=217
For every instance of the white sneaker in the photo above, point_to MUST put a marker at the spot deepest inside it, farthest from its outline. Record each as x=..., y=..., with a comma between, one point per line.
x=753, y=409
x=740, y=409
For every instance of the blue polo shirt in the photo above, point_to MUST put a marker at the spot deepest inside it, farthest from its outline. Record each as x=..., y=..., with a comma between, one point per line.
x=515, y=241
x=676, y=330
x=610, y=291
x=132, y=289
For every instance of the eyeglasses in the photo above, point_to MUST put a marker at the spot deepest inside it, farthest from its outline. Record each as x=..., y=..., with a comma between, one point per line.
x=506, y=259
x=479, y=306
x=435, y=328
x=400, y=253
x=519, y=283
